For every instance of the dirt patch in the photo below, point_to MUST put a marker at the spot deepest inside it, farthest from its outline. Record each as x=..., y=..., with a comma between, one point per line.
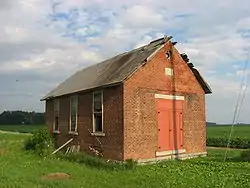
x=56, y=176
x=3, y=151
x=11, y=132
x=224, y=148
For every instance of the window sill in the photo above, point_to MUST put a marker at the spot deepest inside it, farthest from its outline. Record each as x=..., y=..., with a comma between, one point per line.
x=98, y=134
x=56, y=132
x=73, y=133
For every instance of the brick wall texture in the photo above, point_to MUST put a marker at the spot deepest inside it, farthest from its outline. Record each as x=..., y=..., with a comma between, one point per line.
x=112, y=142
x=140, y=114
x=130, y=114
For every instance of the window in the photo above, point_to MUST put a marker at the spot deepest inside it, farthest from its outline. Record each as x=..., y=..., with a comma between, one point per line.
x=98, y=112
x=56, y=115
x=73, y=113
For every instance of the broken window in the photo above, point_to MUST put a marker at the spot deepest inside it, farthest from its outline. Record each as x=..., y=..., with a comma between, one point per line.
x=56, y=115
x=73, y=113
x=97, y=112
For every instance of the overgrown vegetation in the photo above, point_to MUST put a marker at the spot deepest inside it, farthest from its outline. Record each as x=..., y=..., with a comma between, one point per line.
x=23, y=169
x=40, y=143
x=99, y=163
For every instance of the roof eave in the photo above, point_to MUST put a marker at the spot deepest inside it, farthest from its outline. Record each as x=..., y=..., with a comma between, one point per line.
x=83, y=90
x=208, y=89
x=201, y=81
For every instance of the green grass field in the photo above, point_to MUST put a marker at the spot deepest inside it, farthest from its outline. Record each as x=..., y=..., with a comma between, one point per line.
x=241, y=131
x=22, y=169
x=21, y=128
x=212, y=131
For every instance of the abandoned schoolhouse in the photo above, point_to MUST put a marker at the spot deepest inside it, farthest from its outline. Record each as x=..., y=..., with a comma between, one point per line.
x=146, y=104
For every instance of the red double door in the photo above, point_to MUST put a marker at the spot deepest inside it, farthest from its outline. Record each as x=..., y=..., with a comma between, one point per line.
x=170, y=132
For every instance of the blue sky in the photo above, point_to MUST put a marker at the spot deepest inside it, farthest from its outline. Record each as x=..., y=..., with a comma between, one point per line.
x=42, y=42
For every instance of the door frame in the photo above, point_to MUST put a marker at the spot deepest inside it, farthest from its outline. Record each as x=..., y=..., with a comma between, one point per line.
x=169, y=97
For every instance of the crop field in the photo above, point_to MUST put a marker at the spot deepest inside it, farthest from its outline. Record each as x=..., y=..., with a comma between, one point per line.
x=19, y=168
x=239, y=131
x=21, y=128
x=219, y=135
x=216, y=135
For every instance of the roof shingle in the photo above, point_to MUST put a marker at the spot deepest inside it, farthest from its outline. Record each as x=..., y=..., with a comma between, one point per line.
x=108, y=72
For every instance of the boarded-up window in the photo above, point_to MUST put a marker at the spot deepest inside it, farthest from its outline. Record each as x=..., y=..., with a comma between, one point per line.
x=98, y=112
x=56, y=114
x=73, y=113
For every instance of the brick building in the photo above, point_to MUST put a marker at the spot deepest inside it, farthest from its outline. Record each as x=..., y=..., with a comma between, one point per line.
x=146, y=104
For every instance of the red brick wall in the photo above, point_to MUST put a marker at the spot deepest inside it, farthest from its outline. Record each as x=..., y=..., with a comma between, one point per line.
x=140, y=120
x=64, y=105
x=49, y=114
x=112, y=142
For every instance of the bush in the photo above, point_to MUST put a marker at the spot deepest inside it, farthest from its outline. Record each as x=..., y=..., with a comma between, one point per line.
x=40, y=142
x=240, y=143
x=99, y=163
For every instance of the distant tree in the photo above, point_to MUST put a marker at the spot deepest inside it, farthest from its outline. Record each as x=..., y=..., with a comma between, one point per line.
x=21, y=118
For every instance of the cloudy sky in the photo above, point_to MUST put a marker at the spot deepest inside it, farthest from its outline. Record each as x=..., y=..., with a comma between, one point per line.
x=44, y=41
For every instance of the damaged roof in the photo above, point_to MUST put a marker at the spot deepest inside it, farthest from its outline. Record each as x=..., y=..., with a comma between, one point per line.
x=109, y=72
x=200, y=79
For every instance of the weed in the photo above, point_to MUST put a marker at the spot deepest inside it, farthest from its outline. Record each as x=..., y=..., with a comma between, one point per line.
x=130, y=164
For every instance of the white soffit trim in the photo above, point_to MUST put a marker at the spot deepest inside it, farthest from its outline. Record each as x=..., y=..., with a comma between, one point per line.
x=170, y=97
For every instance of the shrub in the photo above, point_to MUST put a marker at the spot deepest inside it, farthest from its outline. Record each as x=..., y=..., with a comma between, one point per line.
x=40, y=142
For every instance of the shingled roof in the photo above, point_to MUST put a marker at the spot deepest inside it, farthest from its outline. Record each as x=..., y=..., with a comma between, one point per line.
x=108, y=72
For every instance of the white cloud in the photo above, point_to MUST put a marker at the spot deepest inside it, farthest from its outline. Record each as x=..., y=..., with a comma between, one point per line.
x=36, y=43
x=242, y=73
x=139, y=16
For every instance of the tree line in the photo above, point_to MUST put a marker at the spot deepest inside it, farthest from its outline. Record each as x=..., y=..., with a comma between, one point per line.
x=21, y=118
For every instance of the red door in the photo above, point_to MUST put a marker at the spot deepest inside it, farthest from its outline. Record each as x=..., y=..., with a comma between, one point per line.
x=176, y=133
x=163, y=130
x=169, y=124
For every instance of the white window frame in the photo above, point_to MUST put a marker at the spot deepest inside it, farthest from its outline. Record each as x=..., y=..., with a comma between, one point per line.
x=93, y=113
x=70, y=130
x=56, y=112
